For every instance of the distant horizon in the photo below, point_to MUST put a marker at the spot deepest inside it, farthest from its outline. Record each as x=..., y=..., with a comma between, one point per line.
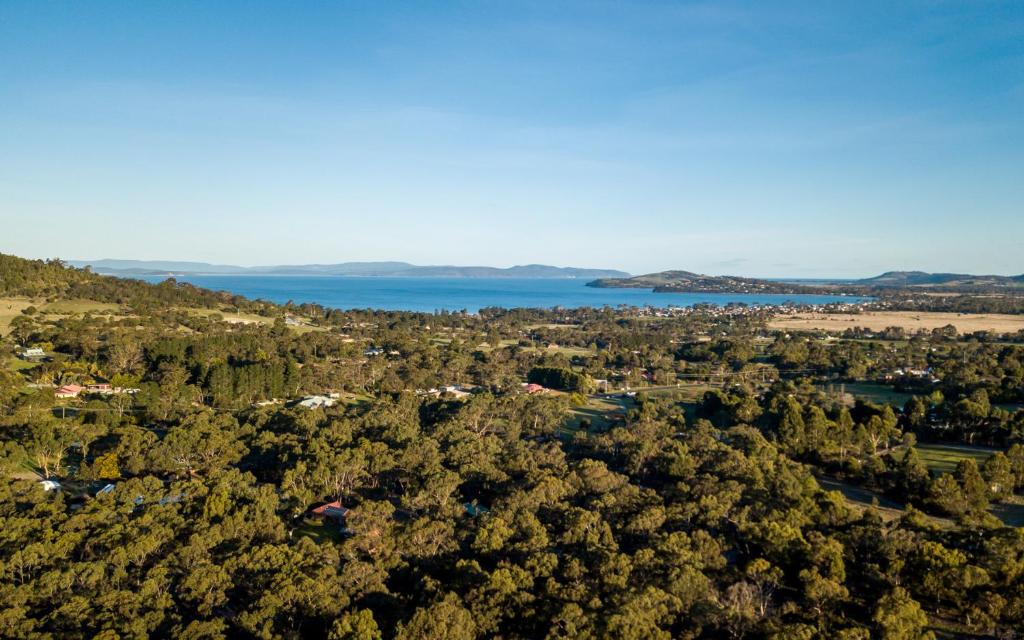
x=865, y=275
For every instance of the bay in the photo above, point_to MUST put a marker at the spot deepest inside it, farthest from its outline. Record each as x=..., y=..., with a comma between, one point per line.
x=469, y=294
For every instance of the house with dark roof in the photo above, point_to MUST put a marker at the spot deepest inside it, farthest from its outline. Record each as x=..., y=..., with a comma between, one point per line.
x=331, y=511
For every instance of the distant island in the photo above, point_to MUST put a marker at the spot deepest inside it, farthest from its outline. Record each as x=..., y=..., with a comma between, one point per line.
x=364, y=269
x=688, y=282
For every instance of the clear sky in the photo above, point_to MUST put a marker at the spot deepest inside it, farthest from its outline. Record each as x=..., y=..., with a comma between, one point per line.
x=761, y=138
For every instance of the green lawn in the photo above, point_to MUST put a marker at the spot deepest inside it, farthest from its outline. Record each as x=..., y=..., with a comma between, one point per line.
x=943, y=458
x=80, y=306
x=17, y=364
x=319, y=530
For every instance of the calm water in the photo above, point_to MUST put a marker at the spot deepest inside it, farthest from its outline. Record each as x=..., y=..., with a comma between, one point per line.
x=471, y=294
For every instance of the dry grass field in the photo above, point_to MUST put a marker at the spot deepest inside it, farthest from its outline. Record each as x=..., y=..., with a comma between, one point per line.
x=11, y=308
x=909, y=320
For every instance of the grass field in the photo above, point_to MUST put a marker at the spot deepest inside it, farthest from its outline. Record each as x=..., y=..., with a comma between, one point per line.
x=599, y=411
x=17, y=364
x=943, y=458
x=566, y=351
x=11, y=308
x=910, y=320
x=319, y=530
x=877, y=393
x=80, y=306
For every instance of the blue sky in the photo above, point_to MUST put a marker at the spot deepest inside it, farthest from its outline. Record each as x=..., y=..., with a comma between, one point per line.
x=771, y=139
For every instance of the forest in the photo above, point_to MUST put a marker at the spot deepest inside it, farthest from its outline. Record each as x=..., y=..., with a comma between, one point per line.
x=192, y=494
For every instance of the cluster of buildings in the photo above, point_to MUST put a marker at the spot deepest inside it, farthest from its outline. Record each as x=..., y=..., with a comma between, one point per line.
x=920, y=374
x=98, y=388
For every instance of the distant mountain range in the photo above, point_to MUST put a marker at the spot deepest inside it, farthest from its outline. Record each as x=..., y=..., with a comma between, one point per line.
x=689, y=282
x=365, y=269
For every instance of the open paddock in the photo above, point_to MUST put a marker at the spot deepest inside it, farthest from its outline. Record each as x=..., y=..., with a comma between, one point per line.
x=11, y=308
x=909, y=320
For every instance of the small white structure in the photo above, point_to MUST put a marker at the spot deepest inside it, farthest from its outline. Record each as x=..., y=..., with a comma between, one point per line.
x=105, y=490
x=33, y=353
x=455, y=390
x=317, y=402
x=50, y=485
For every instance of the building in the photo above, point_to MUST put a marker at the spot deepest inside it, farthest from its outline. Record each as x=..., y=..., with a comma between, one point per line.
x=32, y=353
x=331, y=511
x=456, y=391
x=532, y=388
x=102, y=388
x=68, y=391
x=317, y=402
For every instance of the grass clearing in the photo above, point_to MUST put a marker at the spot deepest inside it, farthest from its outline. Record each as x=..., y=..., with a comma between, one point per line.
x=232, y=317
x=17, y=364
x=943, y=458
x=11, y=308
x=600, y=411
x=75, y=306
x=319, y=530
x=875, y=392
x=551, y=325
x=909, y=320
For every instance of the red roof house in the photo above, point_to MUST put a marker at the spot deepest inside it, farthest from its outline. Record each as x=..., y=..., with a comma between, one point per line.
x=330, y=511
x=68, y=391
x=533, y=388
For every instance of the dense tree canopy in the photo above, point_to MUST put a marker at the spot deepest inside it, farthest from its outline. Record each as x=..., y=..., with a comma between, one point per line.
x=706, y=509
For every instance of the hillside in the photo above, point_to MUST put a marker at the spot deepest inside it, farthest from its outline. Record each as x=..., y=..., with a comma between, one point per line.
x=677, y=281
x=689, y=282
x=901, y=279
x=363, y=269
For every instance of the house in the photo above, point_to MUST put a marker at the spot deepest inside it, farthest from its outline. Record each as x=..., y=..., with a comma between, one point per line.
x=108, y=488
x=455, y=390
x=317, y=402
x=102, y=388
x=532, y=388
x=50, y=485
x=68, y=391
x=373, y=351
x=331, y=511
x=33, y=353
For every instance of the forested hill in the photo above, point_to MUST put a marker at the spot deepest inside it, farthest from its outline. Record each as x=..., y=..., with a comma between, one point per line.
x=688, y=282
x=923, y=279
x=55, y=279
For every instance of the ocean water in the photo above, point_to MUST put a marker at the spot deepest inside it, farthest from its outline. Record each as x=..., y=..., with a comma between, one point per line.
x=469, y=294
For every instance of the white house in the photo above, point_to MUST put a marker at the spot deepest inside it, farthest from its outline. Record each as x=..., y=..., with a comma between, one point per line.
x=316, y=402
x=33, y=353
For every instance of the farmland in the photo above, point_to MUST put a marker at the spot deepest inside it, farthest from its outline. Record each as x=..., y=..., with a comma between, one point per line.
x=909, y=320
